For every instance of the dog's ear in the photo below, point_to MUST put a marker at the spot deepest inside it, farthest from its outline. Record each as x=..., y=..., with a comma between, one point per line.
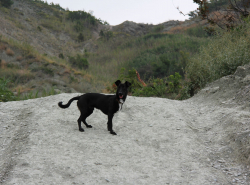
x=127, y=84
x=117, y=83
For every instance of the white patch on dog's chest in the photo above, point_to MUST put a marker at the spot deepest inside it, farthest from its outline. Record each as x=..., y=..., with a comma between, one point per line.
x=120, y=104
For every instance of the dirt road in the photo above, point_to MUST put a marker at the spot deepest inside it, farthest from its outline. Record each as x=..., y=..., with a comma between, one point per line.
x=159, y=141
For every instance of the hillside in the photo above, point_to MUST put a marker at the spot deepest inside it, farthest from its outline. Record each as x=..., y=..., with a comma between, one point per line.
x=40, y=45
x=34, y=35
x=202, y=140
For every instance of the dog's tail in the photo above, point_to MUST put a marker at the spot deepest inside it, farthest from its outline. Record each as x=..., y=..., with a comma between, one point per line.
x=68, y=104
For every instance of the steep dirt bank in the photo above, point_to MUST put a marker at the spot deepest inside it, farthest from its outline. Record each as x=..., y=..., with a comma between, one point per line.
x=203, y=140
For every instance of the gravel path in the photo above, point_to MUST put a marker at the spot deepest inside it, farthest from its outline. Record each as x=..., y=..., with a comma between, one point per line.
x=159, y=141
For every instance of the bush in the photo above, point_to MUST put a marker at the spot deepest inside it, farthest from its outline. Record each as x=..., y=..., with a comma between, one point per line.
x=129, y=76
x=158, y=28
x=61, y=56
x=159, y=87
x=5, y=93
x=6, y=3
x=78, y=26
x=156, y=87
x=167, y=56
x=79, y=62
x=221, y=57
x=106, y=34
x=80, y=37
x=174, y=83
x=82, y=16
x=197, y=31
x=39, y=28
x=156, y=36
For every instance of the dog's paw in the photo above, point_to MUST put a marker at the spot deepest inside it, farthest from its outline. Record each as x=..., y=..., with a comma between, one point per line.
x=81, y=130
x=89, y=126
x=112, y=132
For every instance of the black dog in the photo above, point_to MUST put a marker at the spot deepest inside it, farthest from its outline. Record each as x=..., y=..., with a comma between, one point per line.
x=108, y=104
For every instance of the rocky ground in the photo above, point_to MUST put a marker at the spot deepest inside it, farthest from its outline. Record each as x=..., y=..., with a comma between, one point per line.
x=202, y=140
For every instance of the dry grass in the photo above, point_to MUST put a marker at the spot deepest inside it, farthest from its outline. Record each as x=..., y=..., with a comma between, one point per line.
x=3, y=64
x=24, y=72
x=88, y=77
x=21, y=89
x=16, y=75
x=10, y=52
x=19, y=58
x=66, y=71
x=3, y=46
x=180, y=29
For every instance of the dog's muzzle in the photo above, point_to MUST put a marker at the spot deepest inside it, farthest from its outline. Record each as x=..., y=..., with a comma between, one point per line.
x=120, y=95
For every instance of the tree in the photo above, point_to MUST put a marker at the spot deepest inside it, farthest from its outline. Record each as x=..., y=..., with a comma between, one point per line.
x=80, y=37
x=106, y=34
x=226, y=18
x=6, y=3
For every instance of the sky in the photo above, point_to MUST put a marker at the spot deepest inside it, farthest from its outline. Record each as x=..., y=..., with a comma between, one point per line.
x=140, y=11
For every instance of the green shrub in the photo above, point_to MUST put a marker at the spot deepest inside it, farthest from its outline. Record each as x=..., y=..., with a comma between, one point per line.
x=174, y=83
x=129, y=76
x=82, y=16
x=168, y=54
x=79, y=61
x=159, y=87
x=106, y=34
x=80, y=37
x=156, y=87
x=78, y=26
x=61, y=56
x=6, y=3
x=155, y=36
x=197, y=31
x=5, y=93
x=221, y=57
x=158, y=28
x=39, y=28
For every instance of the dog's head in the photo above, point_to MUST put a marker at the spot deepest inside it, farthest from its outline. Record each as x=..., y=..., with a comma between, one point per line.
x=122, y=90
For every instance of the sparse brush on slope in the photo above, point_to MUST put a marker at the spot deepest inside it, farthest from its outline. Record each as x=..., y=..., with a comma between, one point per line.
x=221, y=57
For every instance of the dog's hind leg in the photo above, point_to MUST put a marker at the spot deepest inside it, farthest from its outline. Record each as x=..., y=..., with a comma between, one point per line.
x=85, y=115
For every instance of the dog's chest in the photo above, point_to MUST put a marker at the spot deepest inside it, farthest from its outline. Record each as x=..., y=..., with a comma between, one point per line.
x=120, y=104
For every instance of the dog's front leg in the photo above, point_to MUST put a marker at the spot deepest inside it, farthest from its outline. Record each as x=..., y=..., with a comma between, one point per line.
x=110, y=117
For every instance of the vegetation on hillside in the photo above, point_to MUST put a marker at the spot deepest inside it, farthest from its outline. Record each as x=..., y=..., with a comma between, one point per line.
x=227, y=49
x=6, y=3
x=224, y=53
x=218, y=56
x=171, y=65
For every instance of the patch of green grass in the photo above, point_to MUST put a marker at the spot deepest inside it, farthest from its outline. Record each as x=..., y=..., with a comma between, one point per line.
x=35, y=94
x=5, y=93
